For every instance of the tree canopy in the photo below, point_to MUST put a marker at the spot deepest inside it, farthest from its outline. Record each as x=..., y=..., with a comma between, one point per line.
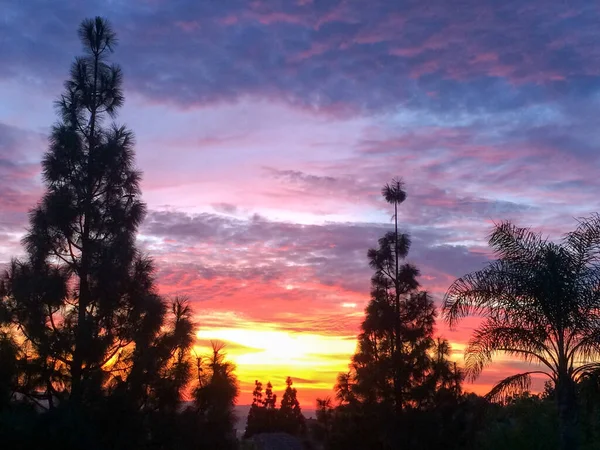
x=541, y=303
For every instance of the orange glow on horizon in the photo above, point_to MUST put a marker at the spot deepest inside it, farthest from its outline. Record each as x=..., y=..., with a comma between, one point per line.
x=266, y=352
x=269, y=352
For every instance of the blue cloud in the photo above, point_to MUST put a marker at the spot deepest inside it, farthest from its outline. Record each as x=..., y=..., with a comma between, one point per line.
x=486, y=56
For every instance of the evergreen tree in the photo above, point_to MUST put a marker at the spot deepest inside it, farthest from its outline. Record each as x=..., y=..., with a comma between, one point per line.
x=270, y=401
x=263, y=416
x=399, y=373
x=256, y=414
x=94, y=336
x=398, y=362
x=290, y=414
x=257, y=394
x=212, y=421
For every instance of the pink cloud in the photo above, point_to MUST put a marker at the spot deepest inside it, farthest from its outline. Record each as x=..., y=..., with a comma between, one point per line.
x=229, y=20
x=188, y=26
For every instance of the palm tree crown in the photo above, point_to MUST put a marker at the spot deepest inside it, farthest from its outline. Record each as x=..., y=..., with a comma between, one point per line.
x=394, y=192
x=540, y=301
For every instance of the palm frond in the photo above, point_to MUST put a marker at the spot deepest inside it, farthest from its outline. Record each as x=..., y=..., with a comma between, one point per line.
x=510, y=386
x=587, y=348
x=394, y=192
x=493, y=337
x=497, y=287
x=584, y=242
x=586, y=370
x=513, y=243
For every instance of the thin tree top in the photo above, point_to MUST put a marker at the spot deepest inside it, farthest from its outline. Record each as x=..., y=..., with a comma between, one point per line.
x=394, y=192
x=97, y=36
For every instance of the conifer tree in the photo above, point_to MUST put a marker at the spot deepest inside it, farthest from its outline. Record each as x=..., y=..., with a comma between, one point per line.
x=214, y=401
x=92, y=329
x=263, y=416
x=290, y=413
x=256, y=414
x=395, y=363
x=270, y=401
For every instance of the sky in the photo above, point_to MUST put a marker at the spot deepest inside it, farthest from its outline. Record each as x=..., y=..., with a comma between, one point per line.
x=265, y=130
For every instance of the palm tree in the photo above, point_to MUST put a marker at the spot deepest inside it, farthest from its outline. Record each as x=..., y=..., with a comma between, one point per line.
x=541, y=303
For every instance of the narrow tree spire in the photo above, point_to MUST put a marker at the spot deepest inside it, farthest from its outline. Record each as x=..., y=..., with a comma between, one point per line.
x=394, y=194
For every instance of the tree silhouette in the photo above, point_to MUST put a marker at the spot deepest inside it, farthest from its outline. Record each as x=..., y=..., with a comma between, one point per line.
x=394, y=194
x=541, y=303
x=270, y=400
x=343, y=389
x=255, y=414
x=399, y=373
x=257, y=394
x=325, y=416
x=265, y=417
x=214, y=401
x=290, y=413
x=394, y=363
x=93, y=333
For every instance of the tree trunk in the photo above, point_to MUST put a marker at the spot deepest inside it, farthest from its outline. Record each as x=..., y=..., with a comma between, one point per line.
x=82, y=335
x=398, y=344
x=567, y=414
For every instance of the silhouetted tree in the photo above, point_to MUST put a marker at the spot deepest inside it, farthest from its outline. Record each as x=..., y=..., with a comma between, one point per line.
x=325, y=416
x=392, y=249
x=257, y=394
x=399, y=373
x=211, y=421
x=398, y=362
x=290, y=414
x=541, y=303
x=256, y=416
x=270, y=400
x=343, y=389
x=94, y=336
x=265, y=417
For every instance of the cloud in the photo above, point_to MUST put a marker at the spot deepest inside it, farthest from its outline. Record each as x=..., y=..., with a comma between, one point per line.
x=266, y=129
x=327, y=53
x=216, y=256
x=19, y=184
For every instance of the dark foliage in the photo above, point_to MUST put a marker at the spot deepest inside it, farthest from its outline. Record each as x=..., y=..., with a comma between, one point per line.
x=541, y=303
x=265, y=417
x=401, y=377
x=90, y=355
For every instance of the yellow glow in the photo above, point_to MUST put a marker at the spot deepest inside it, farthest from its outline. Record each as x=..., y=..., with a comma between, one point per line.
x=270, y=354
x=260, y=347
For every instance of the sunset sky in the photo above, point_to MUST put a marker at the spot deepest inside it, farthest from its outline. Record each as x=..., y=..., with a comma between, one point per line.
x=265, y=130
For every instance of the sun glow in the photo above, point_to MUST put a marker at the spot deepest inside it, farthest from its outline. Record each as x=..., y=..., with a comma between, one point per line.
x=269, y=354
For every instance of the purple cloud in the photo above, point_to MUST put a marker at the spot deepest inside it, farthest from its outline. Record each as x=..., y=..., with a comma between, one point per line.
x=328, y=53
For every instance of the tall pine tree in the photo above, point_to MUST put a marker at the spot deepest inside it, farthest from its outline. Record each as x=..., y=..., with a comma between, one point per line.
x=398, y=362
x=290, y=413
x=82, y=304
